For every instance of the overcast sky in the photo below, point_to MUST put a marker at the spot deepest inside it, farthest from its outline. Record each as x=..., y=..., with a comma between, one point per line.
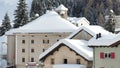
x=8, y=6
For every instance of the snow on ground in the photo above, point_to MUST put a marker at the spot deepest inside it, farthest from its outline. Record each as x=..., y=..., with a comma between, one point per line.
x=3, y=50
x=3, y=45
x=68, y=66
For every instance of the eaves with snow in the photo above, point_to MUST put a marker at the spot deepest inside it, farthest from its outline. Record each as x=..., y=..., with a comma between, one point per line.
x=79, y=46
x=92, y=30
x=106, y=40
x=49, y=22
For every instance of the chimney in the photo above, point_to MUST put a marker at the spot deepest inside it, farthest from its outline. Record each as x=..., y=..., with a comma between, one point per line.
x=98, y=35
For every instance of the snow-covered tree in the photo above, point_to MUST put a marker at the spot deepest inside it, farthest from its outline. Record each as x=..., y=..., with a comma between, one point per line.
x=37, y=7
x=5, y=25
x=21, y=14
x=110, y=24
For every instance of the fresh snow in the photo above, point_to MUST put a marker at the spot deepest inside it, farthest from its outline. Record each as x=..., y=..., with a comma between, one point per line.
x=61, y=7
x=106, y=40
x=68, y=66
x=80, y=19
x=3, y=43
x=49, y=22
x=3, y=50
x=80, y=46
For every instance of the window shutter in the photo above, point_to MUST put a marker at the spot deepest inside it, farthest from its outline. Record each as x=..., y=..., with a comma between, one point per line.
x=101, y=55
x=112, y=55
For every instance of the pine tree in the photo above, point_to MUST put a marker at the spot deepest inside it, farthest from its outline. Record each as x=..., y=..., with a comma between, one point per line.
x=37, y=7
x=21, y=14
x=5, y=24
x=110, y=24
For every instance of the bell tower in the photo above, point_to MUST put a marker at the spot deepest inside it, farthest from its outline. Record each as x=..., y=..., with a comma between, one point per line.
x=62, y=11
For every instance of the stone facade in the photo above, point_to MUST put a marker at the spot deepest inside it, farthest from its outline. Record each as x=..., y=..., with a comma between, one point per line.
x=59, y=55
x=25, y=48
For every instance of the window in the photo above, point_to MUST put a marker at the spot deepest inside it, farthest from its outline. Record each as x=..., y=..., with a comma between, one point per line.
x=107, y=55
x=23, y=35
x=52, y=61
x=43, y=50
x=32, y=50
x=57, y=40
x=78, y=61
x=23, y=50
x=46, y=41
x=32, y=41
x=65, y=61
x=23, y=41
x=45, y=35
x=32, y=59
x=32, y=35
x=23, y=59
x=59, y=35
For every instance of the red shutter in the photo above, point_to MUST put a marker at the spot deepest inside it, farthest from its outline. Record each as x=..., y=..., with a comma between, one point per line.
x=112, y=55
x=101, y=55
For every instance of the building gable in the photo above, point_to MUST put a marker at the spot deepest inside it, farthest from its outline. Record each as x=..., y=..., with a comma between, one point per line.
x=82, y=34
x=66, y=52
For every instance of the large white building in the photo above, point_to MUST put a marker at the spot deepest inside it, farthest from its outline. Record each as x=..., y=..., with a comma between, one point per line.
x=27, y=42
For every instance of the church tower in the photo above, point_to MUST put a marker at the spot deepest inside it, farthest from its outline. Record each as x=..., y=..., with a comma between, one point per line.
x=62, y=11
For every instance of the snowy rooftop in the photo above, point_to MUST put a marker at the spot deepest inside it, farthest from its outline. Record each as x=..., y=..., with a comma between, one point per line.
x=61, y=7
x=49, y=22
x=106, y=40
x=92, y=30
x=79, y=46
x=77, y=20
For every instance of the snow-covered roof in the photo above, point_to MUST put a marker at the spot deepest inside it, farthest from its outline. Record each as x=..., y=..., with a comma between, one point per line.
x=106, y=40
x=61, y=7
x=49, y=22
x=79, y=46
x=77, y=20
x=92, y=30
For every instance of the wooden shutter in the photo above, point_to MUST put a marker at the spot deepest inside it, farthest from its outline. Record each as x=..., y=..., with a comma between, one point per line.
x=101, y=55
x=112, y=55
